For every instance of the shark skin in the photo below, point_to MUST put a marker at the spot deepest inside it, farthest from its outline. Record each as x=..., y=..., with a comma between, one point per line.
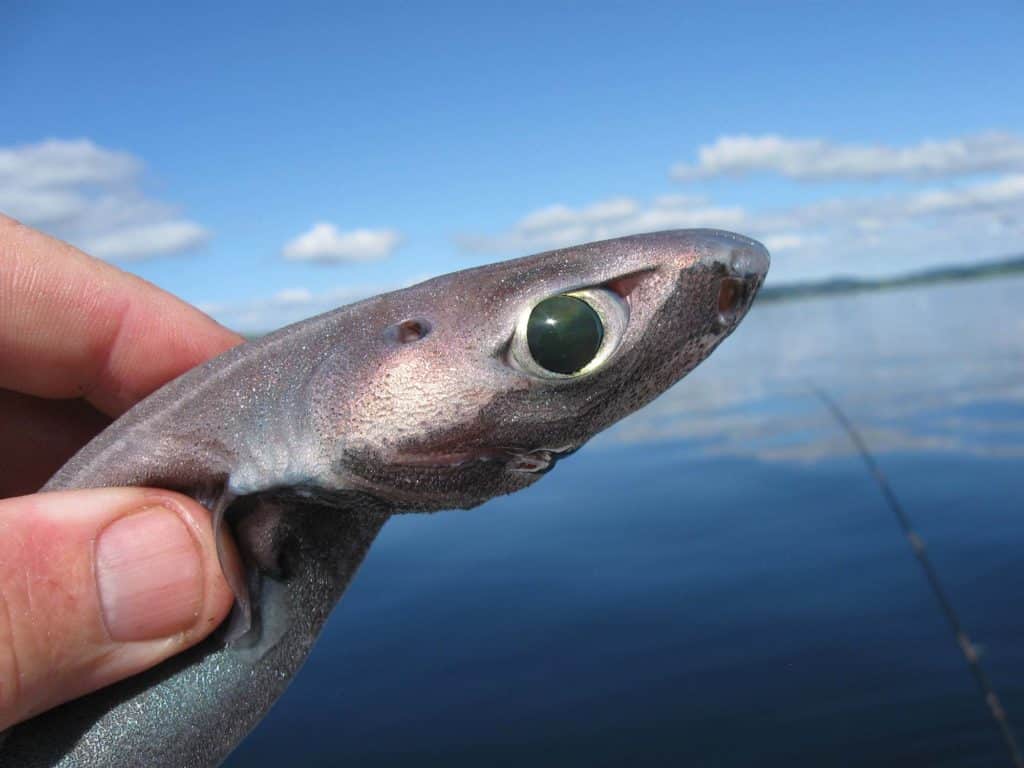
x=307, y=440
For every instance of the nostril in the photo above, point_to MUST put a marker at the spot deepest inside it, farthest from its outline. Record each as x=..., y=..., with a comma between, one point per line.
x=733, y=293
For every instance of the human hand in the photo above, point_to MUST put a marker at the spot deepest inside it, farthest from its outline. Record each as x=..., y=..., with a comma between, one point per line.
x=95, y=585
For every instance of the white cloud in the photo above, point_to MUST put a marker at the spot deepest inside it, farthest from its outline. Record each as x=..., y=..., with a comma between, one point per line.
x=151, y=240
x=870, y=236
x=896, y=233
x=57, y=163
x=560, y=225
x=325, y=243
x=990, y=194
x=1002, y=195
x=559, y=216
x=818, y=159
x=294, y=297
x=92, y=197
x=288, y=305
x=783, y=241
x=40, y=207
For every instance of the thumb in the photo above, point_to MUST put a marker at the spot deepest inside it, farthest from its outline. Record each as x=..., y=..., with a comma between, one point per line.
x=97, y=585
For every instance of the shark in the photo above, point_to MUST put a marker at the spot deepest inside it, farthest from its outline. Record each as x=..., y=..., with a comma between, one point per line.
x=304, y=442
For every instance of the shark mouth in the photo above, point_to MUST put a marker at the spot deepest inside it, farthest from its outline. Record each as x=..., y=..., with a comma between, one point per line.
x=530, y=461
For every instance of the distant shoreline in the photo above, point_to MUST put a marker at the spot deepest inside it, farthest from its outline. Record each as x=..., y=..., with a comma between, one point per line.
x=841, y=285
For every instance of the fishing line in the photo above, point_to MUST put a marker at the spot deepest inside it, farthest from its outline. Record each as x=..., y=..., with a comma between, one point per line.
x=963, y=641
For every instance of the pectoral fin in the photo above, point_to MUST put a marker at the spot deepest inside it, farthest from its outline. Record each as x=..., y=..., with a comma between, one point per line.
x=257, y=532
x=240, y=622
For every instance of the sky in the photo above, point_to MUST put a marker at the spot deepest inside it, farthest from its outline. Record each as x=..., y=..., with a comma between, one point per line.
x=269, y=162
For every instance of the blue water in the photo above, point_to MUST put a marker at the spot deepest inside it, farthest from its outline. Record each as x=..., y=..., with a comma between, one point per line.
x=716, y=580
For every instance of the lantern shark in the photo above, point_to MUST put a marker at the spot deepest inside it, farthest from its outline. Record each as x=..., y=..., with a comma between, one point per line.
x=305, y=441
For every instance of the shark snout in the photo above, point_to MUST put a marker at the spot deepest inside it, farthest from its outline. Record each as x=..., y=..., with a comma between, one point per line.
x=742, y=257
x=743, y=263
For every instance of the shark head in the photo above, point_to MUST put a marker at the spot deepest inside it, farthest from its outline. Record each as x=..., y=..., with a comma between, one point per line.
x=476, y=382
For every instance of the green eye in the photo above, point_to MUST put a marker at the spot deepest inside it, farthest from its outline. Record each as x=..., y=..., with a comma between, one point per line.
x=568, y=335
x=564, y=334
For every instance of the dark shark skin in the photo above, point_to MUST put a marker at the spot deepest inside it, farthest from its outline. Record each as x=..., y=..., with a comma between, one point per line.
x=307, y=440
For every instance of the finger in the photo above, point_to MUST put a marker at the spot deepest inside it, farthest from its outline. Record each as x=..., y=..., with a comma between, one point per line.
x=38, y=436
x=74, y=326
x=98, y=585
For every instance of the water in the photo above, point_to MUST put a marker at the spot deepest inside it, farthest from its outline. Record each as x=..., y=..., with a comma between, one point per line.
x=716, y=580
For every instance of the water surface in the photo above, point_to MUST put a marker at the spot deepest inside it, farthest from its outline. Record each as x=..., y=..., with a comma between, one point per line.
x=716, y=580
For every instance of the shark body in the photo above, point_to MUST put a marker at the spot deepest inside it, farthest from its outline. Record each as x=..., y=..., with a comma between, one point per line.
x=306, y=441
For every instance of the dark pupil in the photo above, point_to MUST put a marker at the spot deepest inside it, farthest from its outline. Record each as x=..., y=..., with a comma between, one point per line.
x=564, y=334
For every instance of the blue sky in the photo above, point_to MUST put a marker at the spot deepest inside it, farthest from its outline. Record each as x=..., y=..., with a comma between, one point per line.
x=379, y=144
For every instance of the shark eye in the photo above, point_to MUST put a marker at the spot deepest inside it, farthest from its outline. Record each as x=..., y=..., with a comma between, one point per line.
x=570, y=334
x=564, y=334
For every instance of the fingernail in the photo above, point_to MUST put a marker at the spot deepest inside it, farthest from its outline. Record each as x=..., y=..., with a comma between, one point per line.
x=149, y=573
